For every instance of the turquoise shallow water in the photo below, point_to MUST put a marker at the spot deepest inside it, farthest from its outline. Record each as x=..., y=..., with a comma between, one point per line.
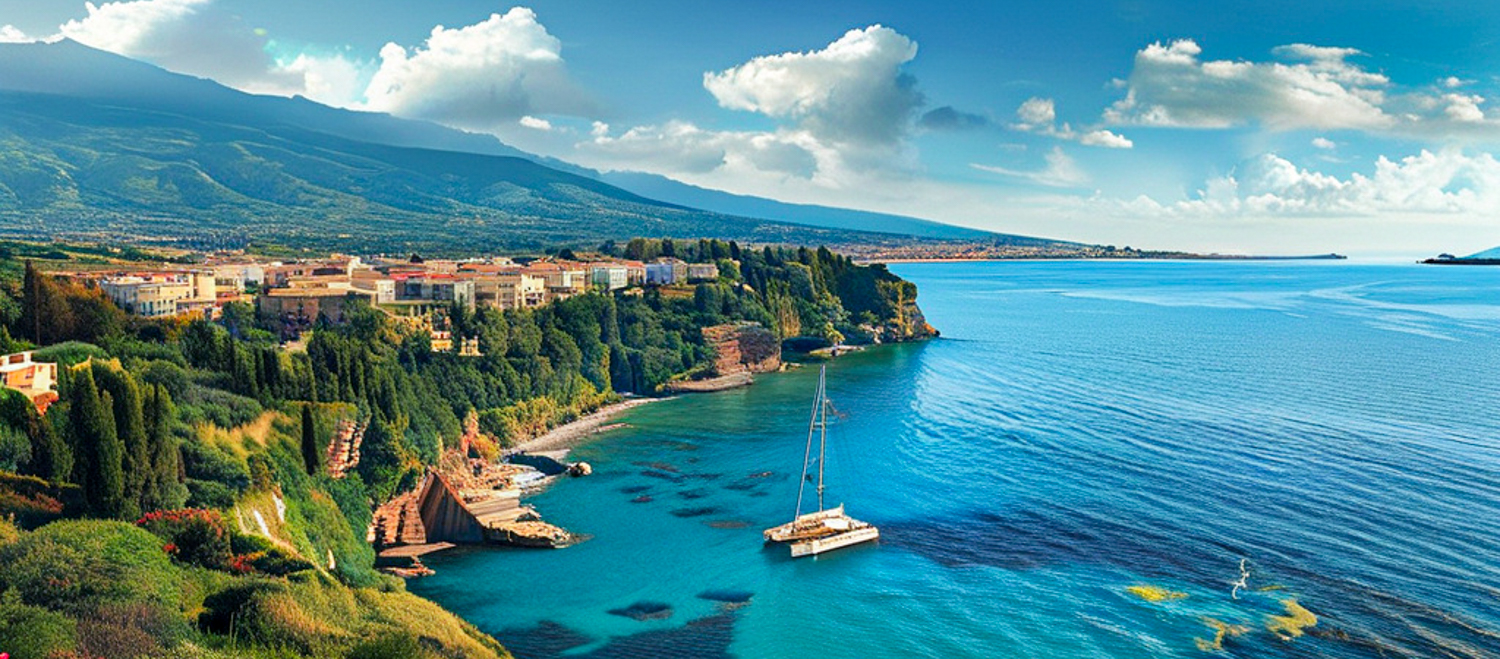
x=1081, y=428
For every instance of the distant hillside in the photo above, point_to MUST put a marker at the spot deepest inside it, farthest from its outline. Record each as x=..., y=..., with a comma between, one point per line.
x=1492, y=254
x=665, y=189
x=95, y=144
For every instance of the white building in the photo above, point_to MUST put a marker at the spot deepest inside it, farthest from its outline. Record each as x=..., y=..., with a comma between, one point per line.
x=161, y=294
x=666, y=272
x=702, y=272
x=610, y=277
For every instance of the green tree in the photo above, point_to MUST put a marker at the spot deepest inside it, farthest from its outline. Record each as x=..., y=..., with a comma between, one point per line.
x=48, y=455
x=165, y=490
x=97, y=449
x=130, y=429
x=310, y=453
x=15, y=449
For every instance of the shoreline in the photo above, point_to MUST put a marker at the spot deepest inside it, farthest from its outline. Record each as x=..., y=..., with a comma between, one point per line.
x=1112, y=259
x=571, y=434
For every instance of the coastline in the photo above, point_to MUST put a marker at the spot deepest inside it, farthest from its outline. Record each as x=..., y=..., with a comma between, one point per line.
x=574, y=432
x=1114, y=259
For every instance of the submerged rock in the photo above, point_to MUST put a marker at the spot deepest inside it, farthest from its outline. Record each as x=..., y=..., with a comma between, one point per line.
x=644, y=611
x=726, y=596
x=695, y=512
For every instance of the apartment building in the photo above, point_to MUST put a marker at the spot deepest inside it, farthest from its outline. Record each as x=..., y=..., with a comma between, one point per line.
x=702, y=272
x=609, y=276
x=160, y=294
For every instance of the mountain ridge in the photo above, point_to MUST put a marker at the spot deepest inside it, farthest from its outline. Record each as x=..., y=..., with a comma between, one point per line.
x=80, y=120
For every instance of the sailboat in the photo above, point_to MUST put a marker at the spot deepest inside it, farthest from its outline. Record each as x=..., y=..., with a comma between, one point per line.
x=826, y=529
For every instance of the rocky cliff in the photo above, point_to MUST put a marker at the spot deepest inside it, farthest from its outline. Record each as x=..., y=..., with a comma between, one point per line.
x=743, y=347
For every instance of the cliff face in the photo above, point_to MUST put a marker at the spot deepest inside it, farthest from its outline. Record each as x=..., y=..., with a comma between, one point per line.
x=908, y=325
x=743, y=348
x=911, y=325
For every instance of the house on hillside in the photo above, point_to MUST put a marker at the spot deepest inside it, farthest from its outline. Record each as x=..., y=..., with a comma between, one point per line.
x=697, y=272
x=37, y=380
x=666, y=271
x=161, y=294
x=609, y=276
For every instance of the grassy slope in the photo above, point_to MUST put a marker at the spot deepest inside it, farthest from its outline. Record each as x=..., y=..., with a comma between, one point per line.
x=125, y=594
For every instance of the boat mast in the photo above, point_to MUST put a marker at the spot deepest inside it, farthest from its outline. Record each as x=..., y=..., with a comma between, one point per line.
x=812, y=423
x=822, y=428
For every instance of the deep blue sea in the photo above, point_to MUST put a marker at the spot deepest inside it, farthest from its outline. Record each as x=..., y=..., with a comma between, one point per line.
x=1080, y=429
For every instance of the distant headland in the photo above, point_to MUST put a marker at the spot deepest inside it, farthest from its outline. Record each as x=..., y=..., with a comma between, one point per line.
x=1487, y=257
x=926, y=254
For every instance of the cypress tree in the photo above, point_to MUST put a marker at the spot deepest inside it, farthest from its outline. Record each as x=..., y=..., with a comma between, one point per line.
x=32, y=295
x=164, y=491
x=310, y=457
x=130, y=428
x=96, y=447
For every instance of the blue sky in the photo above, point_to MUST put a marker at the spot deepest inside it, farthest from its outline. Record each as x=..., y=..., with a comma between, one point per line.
x=1267, y=126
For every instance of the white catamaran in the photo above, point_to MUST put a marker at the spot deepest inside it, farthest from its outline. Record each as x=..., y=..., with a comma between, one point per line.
x=827, y=529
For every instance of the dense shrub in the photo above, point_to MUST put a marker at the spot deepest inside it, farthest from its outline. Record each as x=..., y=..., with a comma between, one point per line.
x=209, y=494
x=128, y=630
x=15, y=448
x=223, y=609
x=206, y=463
x=200, y=404
x=70, y=353
x=32, y=632
x=167, y=374
x=391, y=646
x=275, y=562
x=32, y=502
x=194, y=536
x=79, y=567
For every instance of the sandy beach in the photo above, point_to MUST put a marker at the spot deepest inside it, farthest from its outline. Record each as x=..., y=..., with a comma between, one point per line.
x=571, y=434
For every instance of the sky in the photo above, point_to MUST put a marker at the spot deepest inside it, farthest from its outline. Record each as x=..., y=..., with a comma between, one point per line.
x=1239, y=127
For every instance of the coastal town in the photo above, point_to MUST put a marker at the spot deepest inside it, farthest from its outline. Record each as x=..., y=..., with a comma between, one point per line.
x=298, y=293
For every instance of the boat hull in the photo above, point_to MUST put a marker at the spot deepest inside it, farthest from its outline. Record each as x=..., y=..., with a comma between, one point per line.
x=836, y=541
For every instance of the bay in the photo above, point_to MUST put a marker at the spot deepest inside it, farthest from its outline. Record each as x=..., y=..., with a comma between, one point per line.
x=1082, y=428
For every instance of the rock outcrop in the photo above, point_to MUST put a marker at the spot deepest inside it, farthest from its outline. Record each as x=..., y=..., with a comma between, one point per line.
x=743, y=347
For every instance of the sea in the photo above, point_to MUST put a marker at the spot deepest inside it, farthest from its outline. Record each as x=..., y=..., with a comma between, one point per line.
x=1096, y=459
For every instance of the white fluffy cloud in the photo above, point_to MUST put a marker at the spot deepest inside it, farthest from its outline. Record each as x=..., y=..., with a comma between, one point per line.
x=845, y=115
x=852, y=91
x=1312, y=87
x=1171, y=86
x=198, y=37
x=480, y=76
x=13, y=34
x=187, y=36
x=1039, y=115
x=1447, y=182
x=685, y=149
x=535, y=123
